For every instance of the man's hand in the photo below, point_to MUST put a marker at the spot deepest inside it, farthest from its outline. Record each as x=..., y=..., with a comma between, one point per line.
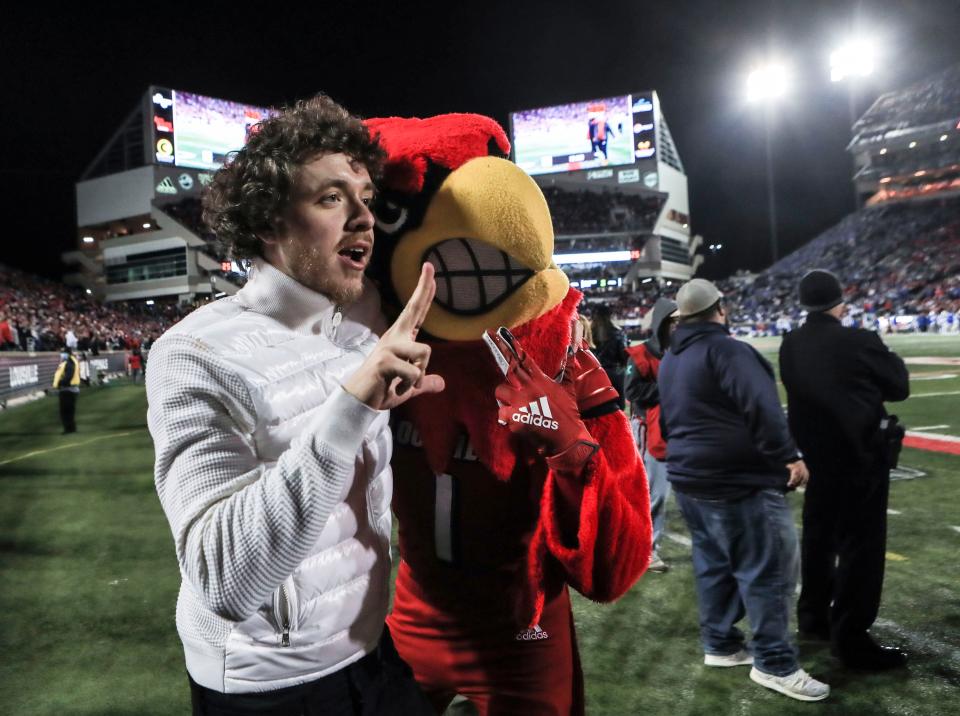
x=799, y=475
x=396, y=369
x=541, y=410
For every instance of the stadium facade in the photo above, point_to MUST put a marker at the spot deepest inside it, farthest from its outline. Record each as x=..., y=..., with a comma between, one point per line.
x=907, y=144
x=139, y=233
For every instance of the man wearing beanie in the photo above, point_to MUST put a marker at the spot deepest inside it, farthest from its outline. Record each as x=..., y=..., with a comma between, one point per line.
x=731, y=461
x=837, y=379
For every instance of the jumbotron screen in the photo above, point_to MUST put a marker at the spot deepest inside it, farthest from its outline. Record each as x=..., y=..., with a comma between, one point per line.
x=584, y=135
x=192, y=130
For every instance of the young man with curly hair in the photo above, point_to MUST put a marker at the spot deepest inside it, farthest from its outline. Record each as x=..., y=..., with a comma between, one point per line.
x=269, y=414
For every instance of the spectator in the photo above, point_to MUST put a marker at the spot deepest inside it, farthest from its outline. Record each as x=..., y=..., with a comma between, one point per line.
x=135, y=364
x=611, y=345
x=640, y=388
x=731, y=460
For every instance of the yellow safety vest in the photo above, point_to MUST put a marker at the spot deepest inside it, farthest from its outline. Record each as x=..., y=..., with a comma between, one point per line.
x=75, y=380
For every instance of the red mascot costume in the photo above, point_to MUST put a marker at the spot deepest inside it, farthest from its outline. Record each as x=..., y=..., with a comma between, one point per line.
x=508, y=488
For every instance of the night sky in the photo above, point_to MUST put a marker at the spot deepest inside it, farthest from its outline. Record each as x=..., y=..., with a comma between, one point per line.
x=70, y=78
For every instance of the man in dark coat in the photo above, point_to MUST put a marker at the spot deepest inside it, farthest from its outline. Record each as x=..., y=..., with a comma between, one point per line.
x=837, y=379
x=731, y=460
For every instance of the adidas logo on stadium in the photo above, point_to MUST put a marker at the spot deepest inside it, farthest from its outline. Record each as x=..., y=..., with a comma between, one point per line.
x=536, y=413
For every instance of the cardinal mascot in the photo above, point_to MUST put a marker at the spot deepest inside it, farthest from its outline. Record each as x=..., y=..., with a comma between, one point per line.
x=521, y=479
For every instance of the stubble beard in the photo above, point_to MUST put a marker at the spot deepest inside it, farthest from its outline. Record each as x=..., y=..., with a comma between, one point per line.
x=317, y=274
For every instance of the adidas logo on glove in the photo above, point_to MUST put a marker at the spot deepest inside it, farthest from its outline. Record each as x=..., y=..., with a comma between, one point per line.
x=536, y=413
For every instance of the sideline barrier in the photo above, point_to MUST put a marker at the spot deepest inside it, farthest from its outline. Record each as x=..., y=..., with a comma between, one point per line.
x=23, y=373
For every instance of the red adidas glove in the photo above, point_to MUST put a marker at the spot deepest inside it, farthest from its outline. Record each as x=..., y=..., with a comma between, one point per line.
x=542, y=411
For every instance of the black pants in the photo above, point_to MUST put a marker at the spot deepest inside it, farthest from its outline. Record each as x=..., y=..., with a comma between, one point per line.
x=843, y=551
x=380, y=684
x=68, y=411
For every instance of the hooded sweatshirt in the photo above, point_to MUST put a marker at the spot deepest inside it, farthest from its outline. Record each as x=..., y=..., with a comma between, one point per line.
x=640, y=383
x=721, y=415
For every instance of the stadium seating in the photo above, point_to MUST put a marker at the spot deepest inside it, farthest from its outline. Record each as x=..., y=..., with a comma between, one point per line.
x=40, y=312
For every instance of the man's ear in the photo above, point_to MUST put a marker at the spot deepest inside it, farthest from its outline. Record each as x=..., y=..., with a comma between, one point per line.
x=274, y=235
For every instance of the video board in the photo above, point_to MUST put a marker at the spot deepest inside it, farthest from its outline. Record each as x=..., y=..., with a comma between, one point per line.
x=608, y=131
x=196, y=131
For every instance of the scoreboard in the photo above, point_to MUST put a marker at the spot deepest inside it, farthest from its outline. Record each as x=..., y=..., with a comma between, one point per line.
x=196, y=131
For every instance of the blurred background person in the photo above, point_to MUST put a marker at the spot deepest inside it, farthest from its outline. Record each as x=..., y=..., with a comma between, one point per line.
x=640, y=388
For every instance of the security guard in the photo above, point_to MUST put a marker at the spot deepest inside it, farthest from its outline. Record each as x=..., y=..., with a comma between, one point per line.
x=67, y=381
x=837, y=380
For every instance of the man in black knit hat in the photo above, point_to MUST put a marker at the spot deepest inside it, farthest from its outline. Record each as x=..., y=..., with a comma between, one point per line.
x=837, y=380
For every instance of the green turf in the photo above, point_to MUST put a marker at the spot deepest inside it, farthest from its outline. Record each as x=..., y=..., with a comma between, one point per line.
x=89, y=584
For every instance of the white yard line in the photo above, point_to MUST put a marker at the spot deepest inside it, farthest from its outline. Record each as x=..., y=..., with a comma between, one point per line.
x=935, y=395
x=894, y=512
x=63, y=447
x=955, y=528
x=921, y=642
x=934, y=436
x=931, y=427
x=678, y=538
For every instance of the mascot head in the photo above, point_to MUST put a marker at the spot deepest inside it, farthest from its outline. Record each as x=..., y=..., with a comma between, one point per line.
x=451, y=198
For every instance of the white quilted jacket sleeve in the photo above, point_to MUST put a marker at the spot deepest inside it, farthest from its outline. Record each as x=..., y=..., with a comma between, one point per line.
x=240, y=528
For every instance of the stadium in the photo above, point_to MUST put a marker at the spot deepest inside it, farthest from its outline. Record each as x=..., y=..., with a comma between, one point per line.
x=90, y=578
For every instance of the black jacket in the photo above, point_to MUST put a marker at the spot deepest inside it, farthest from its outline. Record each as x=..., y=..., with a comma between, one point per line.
x=837, y=379
x=642, y=392
x=725, y=430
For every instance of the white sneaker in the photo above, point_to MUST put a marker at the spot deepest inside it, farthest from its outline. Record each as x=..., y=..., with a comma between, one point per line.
x=798, y=685
x=657, y=564
x=740, y=658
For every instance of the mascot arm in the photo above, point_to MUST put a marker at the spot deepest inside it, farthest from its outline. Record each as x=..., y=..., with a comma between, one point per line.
x=596, y=523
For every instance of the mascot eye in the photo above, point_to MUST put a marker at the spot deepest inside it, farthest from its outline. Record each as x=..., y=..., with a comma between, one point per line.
x=390, y=217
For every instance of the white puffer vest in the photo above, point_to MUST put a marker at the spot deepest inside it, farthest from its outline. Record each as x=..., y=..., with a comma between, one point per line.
x=276, y=483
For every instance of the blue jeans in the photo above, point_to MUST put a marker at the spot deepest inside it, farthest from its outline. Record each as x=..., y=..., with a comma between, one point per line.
x=659, y=492
x=745, y=561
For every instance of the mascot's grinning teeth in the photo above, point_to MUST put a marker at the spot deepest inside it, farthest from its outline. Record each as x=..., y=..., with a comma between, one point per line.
x=473, y=276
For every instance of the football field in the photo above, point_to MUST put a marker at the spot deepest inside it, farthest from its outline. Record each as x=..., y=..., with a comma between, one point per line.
x=88, y=578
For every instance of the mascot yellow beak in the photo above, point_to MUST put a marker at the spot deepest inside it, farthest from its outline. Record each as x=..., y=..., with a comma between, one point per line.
x=488, y=233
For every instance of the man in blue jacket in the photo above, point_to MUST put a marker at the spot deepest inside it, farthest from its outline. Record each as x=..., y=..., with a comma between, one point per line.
x=731, y=461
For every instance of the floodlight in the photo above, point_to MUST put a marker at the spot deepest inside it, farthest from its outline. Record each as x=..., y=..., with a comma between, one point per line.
x=88, y=239
x=857, y=58
x=767, y=82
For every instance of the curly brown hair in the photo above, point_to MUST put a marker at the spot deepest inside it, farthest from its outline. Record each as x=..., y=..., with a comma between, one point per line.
x=251, y=191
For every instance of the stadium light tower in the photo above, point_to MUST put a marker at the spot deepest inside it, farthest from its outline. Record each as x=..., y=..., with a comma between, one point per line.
x=768, y=84
x=851, y=62
x=857, y=58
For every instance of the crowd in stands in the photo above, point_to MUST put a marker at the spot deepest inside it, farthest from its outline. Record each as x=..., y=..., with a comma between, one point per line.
x=584, y=211
x=895, y=260
x=38, y=314
x=927, y=102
